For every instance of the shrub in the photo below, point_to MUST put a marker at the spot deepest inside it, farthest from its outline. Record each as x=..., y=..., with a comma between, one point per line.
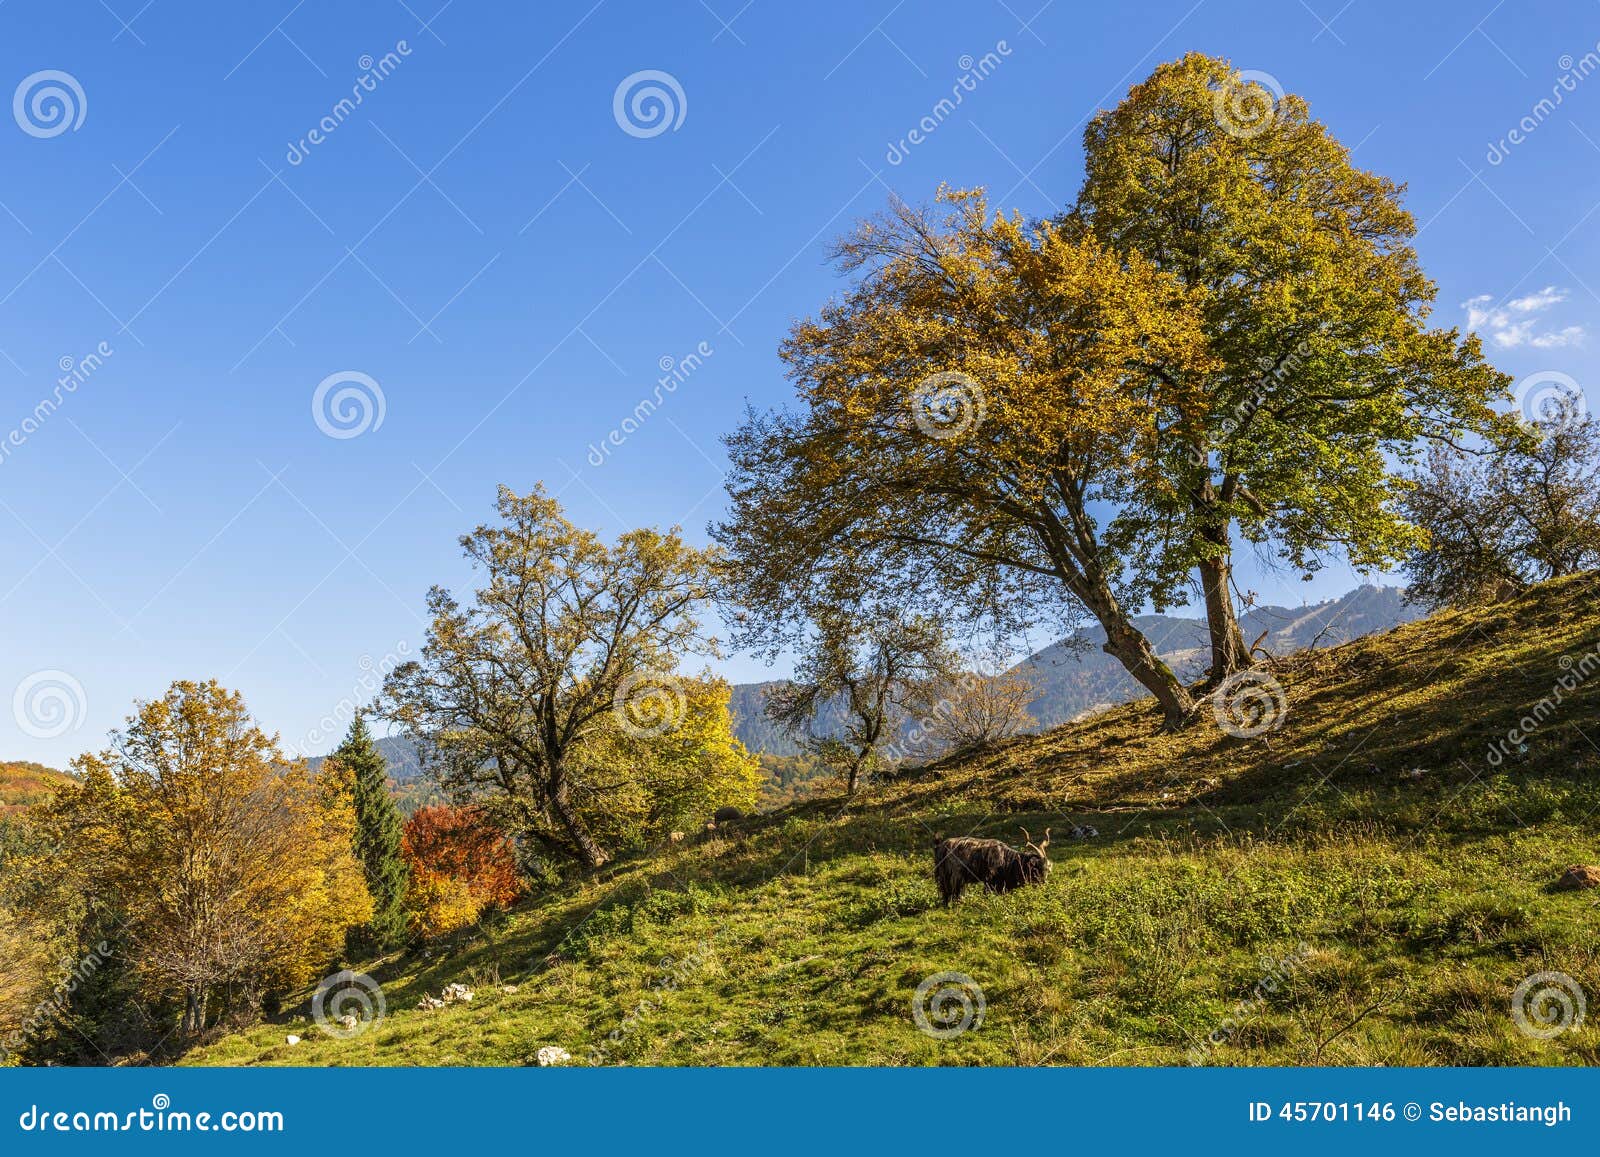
x=461, y=864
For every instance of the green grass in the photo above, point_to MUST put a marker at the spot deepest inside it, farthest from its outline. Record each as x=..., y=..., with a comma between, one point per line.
x=1404, y=911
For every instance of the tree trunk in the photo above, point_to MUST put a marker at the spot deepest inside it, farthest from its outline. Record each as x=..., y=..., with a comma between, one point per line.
x=1229, y=652
x=1126, y=644
x=591, y=853
x=194, y=1010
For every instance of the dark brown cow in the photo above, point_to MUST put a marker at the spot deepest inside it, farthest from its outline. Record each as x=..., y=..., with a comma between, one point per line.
x=962, y=860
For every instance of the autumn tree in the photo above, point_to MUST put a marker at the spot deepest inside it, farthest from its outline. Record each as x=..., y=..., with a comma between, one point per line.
x=230, y=868
x=462, y=863
x=1500, y=517
x=980, y=416
x=554, y=697
x=377, y=832
x=26, y=972
x=1300, y=272
x=883, y=668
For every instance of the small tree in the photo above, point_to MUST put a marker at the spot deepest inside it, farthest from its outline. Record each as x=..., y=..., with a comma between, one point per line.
x=377, y=833
x=976, y=711
x=1506, y=516
x=882, y=670
x=524, y=697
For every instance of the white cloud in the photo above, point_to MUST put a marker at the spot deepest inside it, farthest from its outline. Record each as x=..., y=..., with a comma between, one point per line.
x=1516, y=323
x=1571, y=335
x=1544, y=299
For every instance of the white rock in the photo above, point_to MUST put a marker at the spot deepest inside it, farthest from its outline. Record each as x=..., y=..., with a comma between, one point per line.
x=291, y=1039
x=350, y=1021
x=553, y=1055
x=509, y=989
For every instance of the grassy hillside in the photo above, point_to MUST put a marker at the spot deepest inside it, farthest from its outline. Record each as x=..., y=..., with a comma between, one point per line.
x=1365, y=855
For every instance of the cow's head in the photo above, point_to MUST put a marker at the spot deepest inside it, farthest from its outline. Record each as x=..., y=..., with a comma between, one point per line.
x=1035, y=857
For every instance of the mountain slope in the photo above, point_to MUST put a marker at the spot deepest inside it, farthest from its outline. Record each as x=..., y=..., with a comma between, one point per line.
x=1384, y=858
x=1071, y=680
x=24, y=784
x=400, y=754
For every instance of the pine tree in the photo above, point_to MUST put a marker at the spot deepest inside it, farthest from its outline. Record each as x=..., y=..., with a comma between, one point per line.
x=377, y=836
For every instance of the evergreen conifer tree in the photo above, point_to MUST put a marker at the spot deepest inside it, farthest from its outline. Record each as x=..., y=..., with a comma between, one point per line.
x=377, y=835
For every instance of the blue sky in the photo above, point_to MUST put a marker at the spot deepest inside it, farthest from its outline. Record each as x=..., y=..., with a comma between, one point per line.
x=509, y=263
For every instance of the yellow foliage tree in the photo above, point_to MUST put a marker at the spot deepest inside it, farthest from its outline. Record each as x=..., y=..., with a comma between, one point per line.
x=229, y=867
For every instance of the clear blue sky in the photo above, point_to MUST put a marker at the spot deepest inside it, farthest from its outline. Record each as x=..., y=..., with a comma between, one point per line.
x=483, y=239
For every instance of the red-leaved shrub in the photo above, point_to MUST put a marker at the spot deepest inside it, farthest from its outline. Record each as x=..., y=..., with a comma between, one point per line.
x=461, y=863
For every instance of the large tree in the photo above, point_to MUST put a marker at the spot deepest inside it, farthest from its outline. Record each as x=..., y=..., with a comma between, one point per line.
x=230, y=868
x=554, y=696
x=1314, y=310
x=978, y=414
x=377, y=832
